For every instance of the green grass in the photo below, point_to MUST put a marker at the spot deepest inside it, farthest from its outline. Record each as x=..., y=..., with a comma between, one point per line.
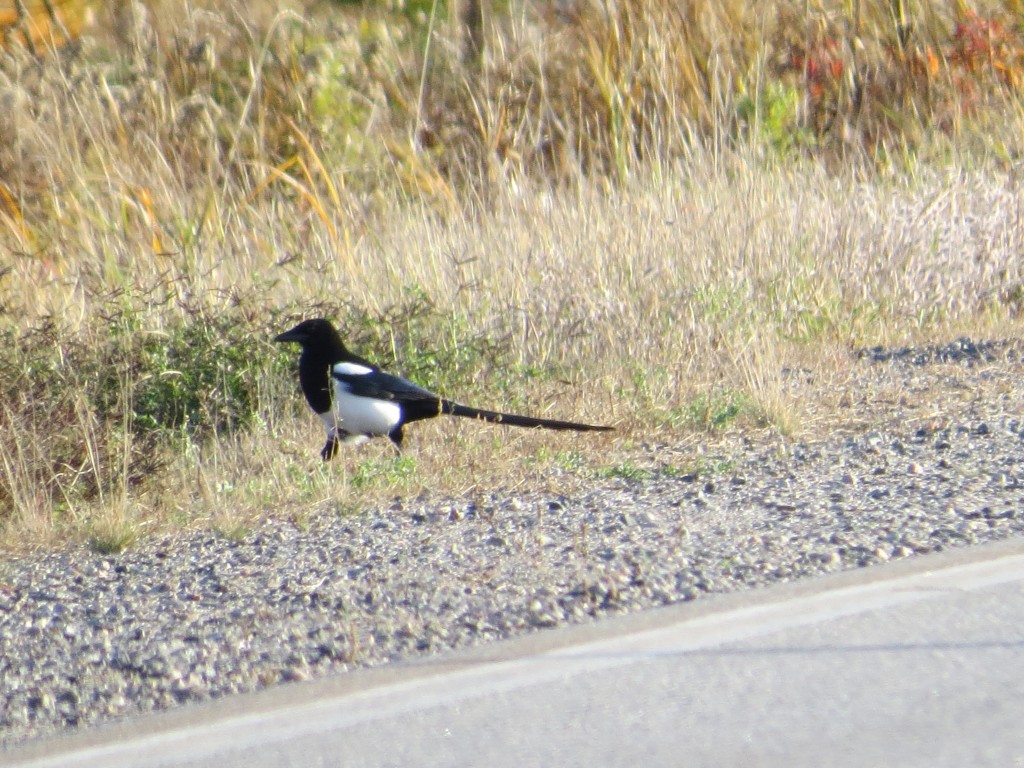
x=110, y=535
x=392, y=473
x=713, y=410
x=626, y=470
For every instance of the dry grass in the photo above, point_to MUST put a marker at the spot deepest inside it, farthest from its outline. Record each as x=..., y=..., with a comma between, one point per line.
x=614, y=219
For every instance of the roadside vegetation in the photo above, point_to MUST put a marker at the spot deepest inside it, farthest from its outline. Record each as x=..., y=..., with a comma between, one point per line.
x=664, y=216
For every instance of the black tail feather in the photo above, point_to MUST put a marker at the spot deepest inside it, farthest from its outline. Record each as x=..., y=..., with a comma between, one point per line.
x=494, y=417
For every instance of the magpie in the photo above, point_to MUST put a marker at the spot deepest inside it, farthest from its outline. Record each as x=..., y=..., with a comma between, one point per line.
x=356, y=400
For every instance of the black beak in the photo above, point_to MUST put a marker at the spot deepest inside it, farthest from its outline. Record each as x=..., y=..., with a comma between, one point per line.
x=293, y=335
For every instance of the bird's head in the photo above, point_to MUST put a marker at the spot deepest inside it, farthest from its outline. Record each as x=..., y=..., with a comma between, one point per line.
x=317, y=332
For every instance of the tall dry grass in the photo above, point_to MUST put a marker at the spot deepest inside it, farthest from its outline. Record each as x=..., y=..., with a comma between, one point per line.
x=623, y=208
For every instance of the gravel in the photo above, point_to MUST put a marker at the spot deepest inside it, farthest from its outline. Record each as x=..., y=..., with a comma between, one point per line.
x=926, y=456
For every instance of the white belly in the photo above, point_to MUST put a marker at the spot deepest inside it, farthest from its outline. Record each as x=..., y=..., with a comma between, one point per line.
x=354, y=417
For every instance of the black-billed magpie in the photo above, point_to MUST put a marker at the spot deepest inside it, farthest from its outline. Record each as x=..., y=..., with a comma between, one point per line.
x=357, y=400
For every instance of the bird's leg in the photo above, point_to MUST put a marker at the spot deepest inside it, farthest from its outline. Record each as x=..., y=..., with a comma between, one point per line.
x=330, y=448
x=397, y=435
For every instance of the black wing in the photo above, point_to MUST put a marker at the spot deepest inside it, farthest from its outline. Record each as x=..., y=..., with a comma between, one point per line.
x=381, y=386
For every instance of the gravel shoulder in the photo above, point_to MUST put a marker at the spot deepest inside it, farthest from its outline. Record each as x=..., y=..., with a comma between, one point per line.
x=927, y=456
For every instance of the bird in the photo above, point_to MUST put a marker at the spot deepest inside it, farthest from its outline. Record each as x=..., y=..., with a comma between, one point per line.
x=356, y=400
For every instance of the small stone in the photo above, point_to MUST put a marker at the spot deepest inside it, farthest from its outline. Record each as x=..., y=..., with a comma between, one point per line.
x=294, y=675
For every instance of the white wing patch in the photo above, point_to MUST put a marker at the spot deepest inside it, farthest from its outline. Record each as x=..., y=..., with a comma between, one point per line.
x=352, y=369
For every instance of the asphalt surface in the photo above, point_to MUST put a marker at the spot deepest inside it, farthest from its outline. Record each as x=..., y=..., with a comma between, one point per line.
x=918, y=662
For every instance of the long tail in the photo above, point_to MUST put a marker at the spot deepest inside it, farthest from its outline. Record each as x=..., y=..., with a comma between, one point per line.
x=455, y=409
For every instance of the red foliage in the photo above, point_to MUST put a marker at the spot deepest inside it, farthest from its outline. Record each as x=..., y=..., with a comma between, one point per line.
x=981, y=44
x=821, y=66
x=976, y=39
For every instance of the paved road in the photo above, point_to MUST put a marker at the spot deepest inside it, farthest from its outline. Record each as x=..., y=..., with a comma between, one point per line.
x=916, y=663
